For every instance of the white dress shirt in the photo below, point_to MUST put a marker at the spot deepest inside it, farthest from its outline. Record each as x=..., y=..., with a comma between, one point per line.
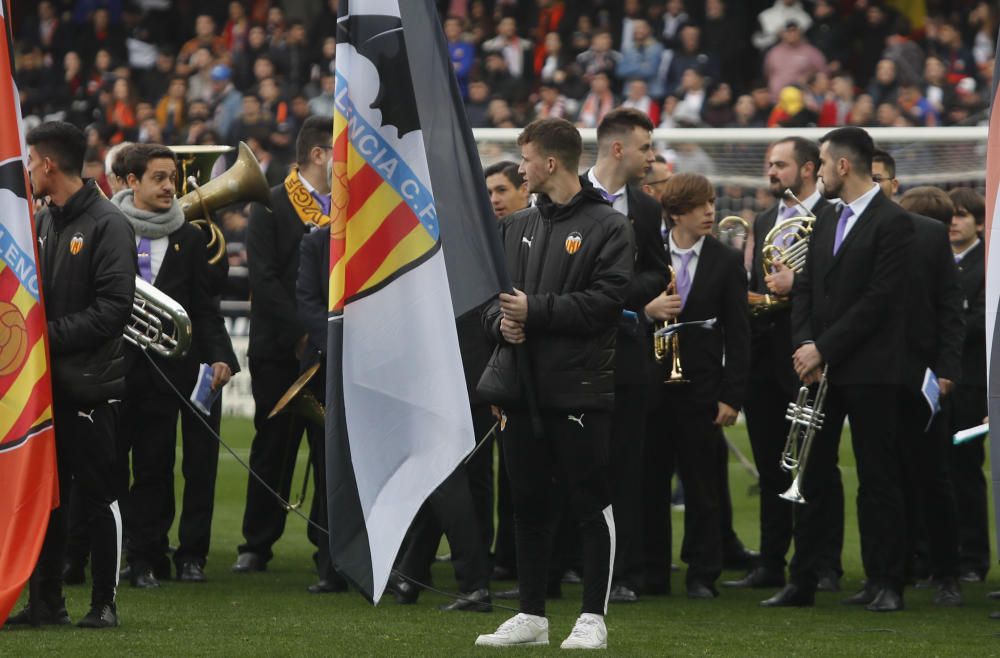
x=676, y=254
x=859, y=205
x=960, y=256
x=621, y=202
x=804, y=208
x=157, y=250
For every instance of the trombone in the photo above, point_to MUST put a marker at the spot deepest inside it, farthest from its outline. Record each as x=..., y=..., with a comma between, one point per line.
x=806, y=417
x=668, y=346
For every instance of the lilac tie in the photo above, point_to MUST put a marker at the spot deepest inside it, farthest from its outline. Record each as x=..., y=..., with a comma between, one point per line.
x=683, y=277
x=789, y=212
x=838, y=237
x=609, y=197
x=323, y=200
x=145, y=260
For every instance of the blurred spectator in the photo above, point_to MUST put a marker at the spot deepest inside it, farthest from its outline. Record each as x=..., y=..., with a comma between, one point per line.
x=885, y=87
x=204, y=37
x=888, y=116
x=171, y=110
x=72, y=93
x=692, y=96
x=598, y=102
x=243, y=61
x=641, y=59
x=775, y=19
x=226, y=100
x=637, y=96
x=37, y=81
x=762, y=102
x=820, y=99
x=938, y=91
x=153, y=82
x=827, y=33
x=323, y=105
x=745, y=114
x=667, y=112
x=842, y=85
x=291, y=56
x=915, y=107
x=983, y=19
x=791, y=110
x=581, y=36
x=690, y=158
x=47, y=30
x=552, y=104
x=690, y=55
x=499, y=114
x=200, y=82
x=461, y=52
x=549, y=19
x=500, y=80
x=551, y=67
x=718, y=108
x=149, y=132
x=872, y=24
x=792, y=60
x=948, y=46
x=478, y=103
x=907, y=55
x=101, y=34
x=631, y=15
x=673, y=19
x=514, y=50
x=122, y=112
x=735, y=62
x=599, y=57
x=863, y=112
x=234, y=32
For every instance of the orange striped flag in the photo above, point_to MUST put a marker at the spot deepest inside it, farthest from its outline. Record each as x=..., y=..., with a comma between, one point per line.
x=27, y=442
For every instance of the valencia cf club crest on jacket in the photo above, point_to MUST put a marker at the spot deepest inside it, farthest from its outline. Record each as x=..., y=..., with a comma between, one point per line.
x=76, y=244
x=573, y=242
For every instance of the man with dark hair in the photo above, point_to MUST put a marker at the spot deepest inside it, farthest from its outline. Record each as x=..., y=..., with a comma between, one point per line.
x=173, y=258
x=87, y=271
x=792, y=165
x=556, y=338
x=277, y=340
x=507, y=189
x=884, y=172
x=934, y=334
x=624, y=155
x=966, y=406
x=847, y=312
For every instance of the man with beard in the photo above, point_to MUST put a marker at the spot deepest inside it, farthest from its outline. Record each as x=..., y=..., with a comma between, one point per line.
x=792, y=165
x=847, y=324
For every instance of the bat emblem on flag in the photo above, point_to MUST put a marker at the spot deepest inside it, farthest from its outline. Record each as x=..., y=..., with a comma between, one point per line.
x=76, y=244
x=573, y=242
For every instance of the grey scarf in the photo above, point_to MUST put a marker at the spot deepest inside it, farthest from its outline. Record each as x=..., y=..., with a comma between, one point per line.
x=148, y=224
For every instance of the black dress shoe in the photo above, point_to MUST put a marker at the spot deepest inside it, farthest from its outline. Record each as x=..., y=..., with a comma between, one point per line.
x=758, y=578
x=478, y=601
x=48, y=614
x=74, y=572
x=125, y=573
x=791, y=596
x=622, y=594
x=503, y=573
x=328, y=586
x=571, y=577
x=143, y=578
x=971, y=577
x=887, y=600
x=248, y=563
x=701, y=591
x=862, y=597
x=949, y=593
x=515, y=594
x=742, y=559
x=191, y=572
x=103, y=615
x=828, y=581
x=405, y=592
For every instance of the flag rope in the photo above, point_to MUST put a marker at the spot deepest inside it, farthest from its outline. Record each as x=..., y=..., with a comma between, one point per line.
x=284, y=503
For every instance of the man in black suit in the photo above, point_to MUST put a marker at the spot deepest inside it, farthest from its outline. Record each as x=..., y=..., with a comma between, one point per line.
x=277, y=337
x=934, y=334
x=792, y=164
x=172, y=257
x=847, y=315
x=966, y=406
x=710, y=283
x=624, y=155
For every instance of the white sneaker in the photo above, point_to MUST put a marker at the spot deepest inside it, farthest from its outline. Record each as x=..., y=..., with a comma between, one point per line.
x=588, y=633
x=520, y=630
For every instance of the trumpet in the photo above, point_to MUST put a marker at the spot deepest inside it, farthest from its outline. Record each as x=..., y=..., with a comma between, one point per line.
x=669, y=346
x=806, y=418
x=158, y=323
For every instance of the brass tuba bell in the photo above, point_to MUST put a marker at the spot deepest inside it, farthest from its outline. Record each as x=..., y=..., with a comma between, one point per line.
x=242, y=182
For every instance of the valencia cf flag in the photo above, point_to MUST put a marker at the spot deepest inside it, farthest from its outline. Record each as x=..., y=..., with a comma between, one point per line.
x=993, y=281
x=413, y=245
x=27, y=443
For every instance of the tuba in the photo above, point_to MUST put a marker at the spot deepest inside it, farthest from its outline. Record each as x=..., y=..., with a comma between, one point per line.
x=158, y=323
x=787, y=243
x=201, y=194
x=665, y=347
x=806, y=417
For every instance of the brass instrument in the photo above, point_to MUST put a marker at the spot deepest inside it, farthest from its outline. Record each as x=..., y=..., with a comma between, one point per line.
x=733, y=229
x=201, y=194
x=299, y=400
x=787, y=243
x=158, y=323
x=806, y=417
x=669, y=346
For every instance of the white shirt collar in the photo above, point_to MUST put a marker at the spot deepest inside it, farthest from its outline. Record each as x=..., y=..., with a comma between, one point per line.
x=960, y=256
x=596, y=183
x=309, y=186
x=696, y=247
x=860, y=204
x=807, y=204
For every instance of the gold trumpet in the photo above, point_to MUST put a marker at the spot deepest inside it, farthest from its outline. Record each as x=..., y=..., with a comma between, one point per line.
x=806, y=417
x=669, y=346
x=202, y=194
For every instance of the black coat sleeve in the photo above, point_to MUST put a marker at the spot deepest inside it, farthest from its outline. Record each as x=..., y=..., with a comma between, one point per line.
x=950, y=320
x=652, y=266
x=736, y=324
x=209, y=329
x=113, y=270
x=309, y=289
x=802, y=301
x=265, y=275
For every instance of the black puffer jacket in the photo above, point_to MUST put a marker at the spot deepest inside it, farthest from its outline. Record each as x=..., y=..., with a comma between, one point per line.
x=88, y=265
x=574, y=262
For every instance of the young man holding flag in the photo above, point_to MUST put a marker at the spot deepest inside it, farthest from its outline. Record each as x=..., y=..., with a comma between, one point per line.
x=571, y=259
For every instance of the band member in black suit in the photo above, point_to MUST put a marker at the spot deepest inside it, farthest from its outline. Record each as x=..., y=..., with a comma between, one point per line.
x=966, y=406
x=172, y=257
x=934, y=334
x=710, y=283
x=847, y=313
x=277, y=337
x=793, y=164
x=571, y=258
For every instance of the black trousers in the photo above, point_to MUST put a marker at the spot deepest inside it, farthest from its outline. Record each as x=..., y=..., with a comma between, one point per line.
x=573, y=449
x=765, y=406
x=479, y=472
x=449, y=508
x=86, y=455
x=874, y=437
x=626, y=468
x=966, y=407
x=200, y=466
x=504, y=548
x=931, y=513
x=272, y=456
